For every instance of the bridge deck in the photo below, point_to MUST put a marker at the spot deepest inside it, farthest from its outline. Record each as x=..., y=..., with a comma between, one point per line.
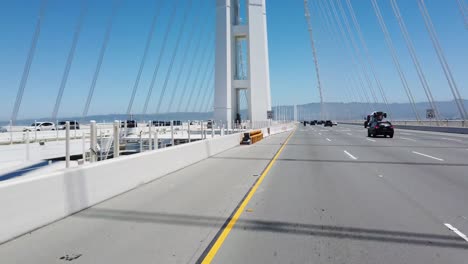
x=381, y=201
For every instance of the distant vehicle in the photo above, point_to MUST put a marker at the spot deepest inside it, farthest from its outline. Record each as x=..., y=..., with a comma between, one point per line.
x=312, y=123
x=377, y=128
x=328, y=123
x=73, y=125
x=3, y=130
x=162, y=123
x=130, y=123
x=167, y=123
x=335, y=123
x=374, y=116
x=154, y=123
x=209, y=124
x=315, y=122
x=320, y=122
x=40, y=126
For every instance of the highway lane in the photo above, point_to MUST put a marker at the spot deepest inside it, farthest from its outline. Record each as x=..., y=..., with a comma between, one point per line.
x=451, y=148
x=385, y=205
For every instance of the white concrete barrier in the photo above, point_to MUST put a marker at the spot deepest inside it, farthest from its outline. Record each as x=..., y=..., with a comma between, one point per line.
x=282, y=128
x=276, y=129
x=28, y=204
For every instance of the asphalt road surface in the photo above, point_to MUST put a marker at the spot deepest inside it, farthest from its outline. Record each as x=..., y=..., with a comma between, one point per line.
x=317, y=195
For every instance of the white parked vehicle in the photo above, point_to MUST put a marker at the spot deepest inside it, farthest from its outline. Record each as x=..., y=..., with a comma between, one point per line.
x=40, y=126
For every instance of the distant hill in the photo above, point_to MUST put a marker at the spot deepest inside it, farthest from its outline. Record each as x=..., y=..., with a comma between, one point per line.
x=401, y=111
x=111, y=117
x=335, y=111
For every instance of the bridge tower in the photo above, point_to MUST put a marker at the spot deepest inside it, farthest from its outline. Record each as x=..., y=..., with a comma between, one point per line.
x=242, y=62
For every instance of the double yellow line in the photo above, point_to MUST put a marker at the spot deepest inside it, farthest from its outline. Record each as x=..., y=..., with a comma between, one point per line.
x=220, y=240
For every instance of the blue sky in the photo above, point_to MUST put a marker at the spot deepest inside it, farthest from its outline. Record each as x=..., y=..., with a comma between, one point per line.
x=291, y=65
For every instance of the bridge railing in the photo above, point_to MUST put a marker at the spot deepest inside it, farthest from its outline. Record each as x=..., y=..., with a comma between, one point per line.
x=30, y=147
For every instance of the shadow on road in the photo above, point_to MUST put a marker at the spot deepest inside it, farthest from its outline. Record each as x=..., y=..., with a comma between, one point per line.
x=339, y=232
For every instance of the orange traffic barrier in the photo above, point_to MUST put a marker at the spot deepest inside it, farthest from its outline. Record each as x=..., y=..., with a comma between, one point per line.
x=252, y=137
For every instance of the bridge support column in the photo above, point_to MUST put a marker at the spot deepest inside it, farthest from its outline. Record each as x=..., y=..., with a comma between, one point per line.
x=241, y=60
x=116, y=139
x=93, y=142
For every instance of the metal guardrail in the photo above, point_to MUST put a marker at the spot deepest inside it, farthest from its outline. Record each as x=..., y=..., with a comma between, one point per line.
x=427, y=123
x=417, y=126
x=100, y=141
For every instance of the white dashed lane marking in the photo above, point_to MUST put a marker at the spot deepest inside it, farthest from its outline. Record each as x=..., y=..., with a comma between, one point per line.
x=427, y=156
x=410, y=139
x=456, y=231
x=350, y=155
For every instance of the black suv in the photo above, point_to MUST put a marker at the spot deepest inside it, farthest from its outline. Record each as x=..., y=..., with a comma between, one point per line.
x=73, y=125
x=377, y=128
x=328, y=123
x=130, y=124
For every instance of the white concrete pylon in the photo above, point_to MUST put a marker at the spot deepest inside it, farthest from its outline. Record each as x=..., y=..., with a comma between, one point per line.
x=252, y=29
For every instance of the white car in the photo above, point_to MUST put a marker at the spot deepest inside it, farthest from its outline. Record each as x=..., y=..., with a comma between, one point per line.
x=335, y=123
x=40, y=126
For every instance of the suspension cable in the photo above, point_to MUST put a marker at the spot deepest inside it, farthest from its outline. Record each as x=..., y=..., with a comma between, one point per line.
x=396, y=61
x=314, y=52
x=202, y=81
x=204, y=85
x=354, y=45
x=332, y=32
x=161, y=55
x=442, y=59
x=174, y=55
x=205, y=92
x=101, y=57
x=206, y=104
x=366, y=52
x=195, y=25
x=71, y=54
x=464, y=11
x=143, y=59
x=345, y=40
x=197, y=74
x=247, y=103
x=210, y=106
x=415, y=59
x=206, y=97
x=192, y=67
x=29, y=60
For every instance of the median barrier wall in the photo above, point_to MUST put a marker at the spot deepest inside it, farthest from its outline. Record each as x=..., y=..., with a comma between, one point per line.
x=281, y=128
x=27, y=204
x=455, y=130
x=444, y=129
